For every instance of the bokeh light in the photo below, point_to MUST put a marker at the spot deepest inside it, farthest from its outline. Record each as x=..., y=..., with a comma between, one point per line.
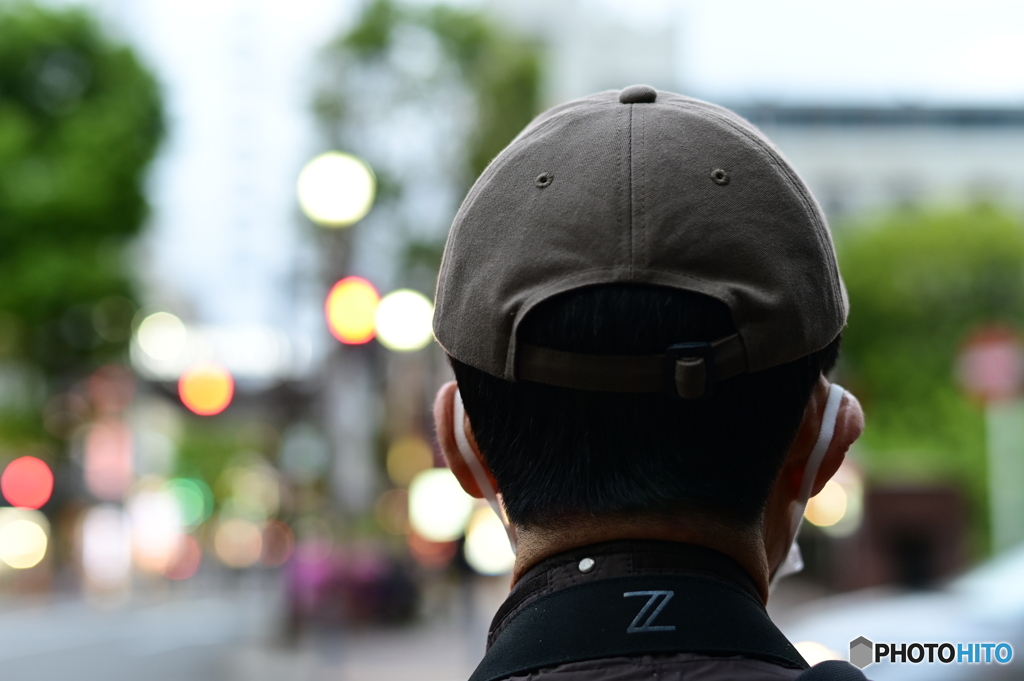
x=108, y=459
x=238, y=542
x=408, y=456
x=278, y=544
x=253, y=491
x=195, y=499
x=27, y=482
x=206, y=388
x=106, y=547
x=350, y=308
x=336, y=189
x=487, y=549
x=23, y=537
x=155, y=528
x=431, y=554
x=851, y=482
x=403, y=320
x=187, y=559
x=162, y=336
x=828, y=506
x=438, y=507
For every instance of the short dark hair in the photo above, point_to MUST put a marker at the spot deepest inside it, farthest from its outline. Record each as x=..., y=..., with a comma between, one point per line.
x=559, y=452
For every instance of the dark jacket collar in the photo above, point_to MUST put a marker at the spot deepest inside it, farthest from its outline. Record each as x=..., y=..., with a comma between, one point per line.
x=619, y=558
x=631, y=597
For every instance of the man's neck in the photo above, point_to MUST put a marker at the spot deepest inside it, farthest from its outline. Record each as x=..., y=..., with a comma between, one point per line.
x=745, y=547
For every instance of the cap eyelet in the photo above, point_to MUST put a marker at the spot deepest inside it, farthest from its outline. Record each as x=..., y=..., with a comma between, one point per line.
x=719, y=176
x=543, y=180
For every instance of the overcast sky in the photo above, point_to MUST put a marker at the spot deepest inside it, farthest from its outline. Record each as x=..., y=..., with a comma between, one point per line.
x=902, y=51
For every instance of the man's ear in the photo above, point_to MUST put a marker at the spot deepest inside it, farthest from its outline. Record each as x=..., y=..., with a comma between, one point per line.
x=849, y=426
x=444, y=422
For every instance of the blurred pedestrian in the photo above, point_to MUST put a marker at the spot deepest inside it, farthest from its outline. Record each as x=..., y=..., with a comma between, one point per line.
x=641, y=304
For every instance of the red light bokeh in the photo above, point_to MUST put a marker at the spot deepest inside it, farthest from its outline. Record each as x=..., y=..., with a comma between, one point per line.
x=27, y=482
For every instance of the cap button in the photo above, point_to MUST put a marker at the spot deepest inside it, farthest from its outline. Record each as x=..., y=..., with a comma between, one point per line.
x=638, y=94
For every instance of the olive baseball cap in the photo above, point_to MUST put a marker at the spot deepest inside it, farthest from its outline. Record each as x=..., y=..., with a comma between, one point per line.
x=647, y=187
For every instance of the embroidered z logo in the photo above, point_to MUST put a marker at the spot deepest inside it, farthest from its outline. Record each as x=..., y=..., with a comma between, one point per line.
x=640, y=624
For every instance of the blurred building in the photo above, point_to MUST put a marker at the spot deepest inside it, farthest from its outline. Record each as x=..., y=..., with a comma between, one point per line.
x=858, y=159
x=591, y=46
x=855, y=158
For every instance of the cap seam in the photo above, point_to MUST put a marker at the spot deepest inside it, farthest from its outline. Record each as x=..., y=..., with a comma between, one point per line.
x=632, y=190
x=642, y=213
x=793, y=180
x=625, y=203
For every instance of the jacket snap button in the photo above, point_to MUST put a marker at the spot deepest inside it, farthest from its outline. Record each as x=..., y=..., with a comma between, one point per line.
x=586, y=565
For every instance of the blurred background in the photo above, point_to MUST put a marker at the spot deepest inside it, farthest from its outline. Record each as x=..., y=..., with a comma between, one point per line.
x=220, y=228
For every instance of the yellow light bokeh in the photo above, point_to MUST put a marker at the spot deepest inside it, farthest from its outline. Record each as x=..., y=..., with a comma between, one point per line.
x=162, y=336
x=238, y=543
x=487, y=549
x=438, y=507
x=828, y=506
x=336, y=189
x=23, y=543
x=408, y=456
x=206, y=388
x=350, y=309
x=254, y=492
x=404, y=320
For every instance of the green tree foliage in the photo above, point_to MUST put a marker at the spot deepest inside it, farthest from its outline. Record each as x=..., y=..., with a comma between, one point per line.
x=919, y=283
x=501, y=70
x=80, y=119
x=450, y=68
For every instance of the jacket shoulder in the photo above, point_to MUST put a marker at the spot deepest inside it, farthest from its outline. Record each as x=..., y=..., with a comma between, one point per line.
x=682, y=666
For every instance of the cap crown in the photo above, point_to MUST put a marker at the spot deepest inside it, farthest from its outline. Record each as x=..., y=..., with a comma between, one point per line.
x=673, y=192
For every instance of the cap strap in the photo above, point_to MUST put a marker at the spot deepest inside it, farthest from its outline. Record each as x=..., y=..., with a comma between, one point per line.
x=690, y=370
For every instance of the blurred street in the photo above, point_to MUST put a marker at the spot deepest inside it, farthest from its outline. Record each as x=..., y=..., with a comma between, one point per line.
x=178, y=636
x=235, y=632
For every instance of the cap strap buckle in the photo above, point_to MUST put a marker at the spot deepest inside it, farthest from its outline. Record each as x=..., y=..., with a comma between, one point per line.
x=692, y=369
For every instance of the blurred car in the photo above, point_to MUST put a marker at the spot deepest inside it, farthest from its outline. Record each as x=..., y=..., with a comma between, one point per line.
x=984, y=605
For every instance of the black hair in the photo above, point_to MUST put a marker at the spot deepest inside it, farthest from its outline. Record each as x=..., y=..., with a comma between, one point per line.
x=558, y=453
